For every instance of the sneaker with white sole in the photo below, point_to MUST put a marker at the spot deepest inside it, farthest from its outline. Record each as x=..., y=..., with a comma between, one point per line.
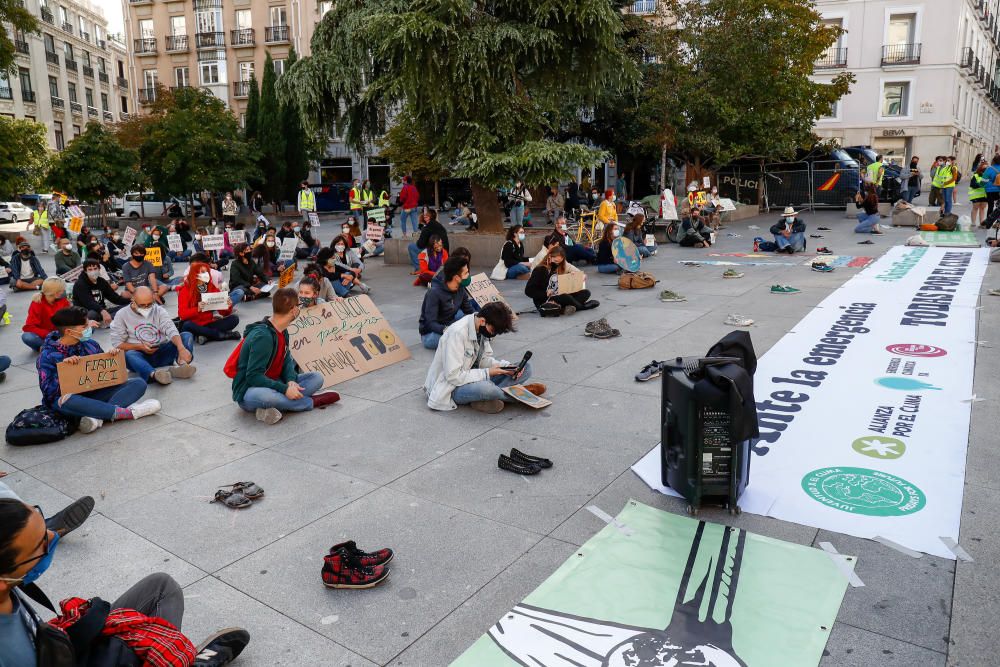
x=222, y=648
x=183, y=371
x=90, y=424
x=732, y=273
x=651, y=370
x=670, y=297
x=784, y=289
x=737, y=320
x=995, y=292
x=144, y=408
x=268, y=415
x=821, y=267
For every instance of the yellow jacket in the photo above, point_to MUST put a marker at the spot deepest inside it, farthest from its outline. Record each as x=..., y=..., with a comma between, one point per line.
x=607, y=212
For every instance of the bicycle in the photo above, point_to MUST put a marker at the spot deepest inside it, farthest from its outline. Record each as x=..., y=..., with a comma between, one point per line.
x=583, y=225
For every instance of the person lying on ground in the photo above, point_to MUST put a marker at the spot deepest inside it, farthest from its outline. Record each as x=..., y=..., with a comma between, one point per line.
x=154, y=349
x=446, y=301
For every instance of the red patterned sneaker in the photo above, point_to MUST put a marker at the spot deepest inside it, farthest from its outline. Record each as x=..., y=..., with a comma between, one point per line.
x=340, y=570
x=380, y=557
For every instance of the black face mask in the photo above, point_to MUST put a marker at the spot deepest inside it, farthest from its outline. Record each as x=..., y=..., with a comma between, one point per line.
x=26, y=254
x=484, y=332
x=138, y=258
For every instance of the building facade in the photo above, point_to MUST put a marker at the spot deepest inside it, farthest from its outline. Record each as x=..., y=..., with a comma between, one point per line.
x=68, y=74
x=927, y=77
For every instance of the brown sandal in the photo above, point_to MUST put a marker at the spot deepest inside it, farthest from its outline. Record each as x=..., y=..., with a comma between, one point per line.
x=232, y=499
x=248, y=489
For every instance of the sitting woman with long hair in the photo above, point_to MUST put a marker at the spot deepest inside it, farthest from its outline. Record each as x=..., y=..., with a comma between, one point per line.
x=196, y=318
x=430, y=261
x=543, y=285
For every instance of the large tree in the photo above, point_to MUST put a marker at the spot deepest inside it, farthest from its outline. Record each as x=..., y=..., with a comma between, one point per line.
x=195, y=144
x=253, y=108
x=409, y=151
x=270, y=138
x=24, y=155
x=94, y=166
x=482, y=80
x=297, y=145
x=15, y=13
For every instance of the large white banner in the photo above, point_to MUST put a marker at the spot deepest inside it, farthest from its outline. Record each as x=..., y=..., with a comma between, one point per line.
x=864, y=407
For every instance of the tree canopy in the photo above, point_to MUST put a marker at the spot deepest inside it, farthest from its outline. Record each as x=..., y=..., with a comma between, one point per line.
x=484, y=82
x=270, y=137
x=24, y=155
x=94, y=165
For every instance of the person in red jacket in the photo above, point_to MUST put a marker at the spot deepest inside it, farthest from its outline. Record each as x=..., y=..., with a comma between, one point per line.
x=409, y=199
x=197, y=317
x=43, y=306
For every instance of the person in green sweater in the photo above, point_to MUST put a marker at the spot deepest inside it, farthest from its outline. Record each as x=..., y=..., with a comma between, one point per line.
x=267, y=381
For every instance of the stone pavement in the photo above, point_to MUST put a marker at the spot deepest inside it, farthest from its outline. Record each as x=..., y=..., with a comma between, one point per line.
x=381, y=468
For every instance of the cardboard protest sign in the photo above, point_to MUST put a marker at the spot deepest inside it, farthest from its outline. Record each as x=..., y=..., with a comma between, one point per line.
x=369, y=247
x=377, y=214
x=572, y=282
x=95, y=371
x=73, y=274
x=522, y=395
x=649, y=240
x=237, y=236
x=213, y=242
x=375, y=232
x=314, y=219
x=75, y=224
x=154, y=256
x=128, y=237
x=288, y=249
x=175, y=243
x=287, y=276
x=215, y=300
x=344, y=339
x=483, y=291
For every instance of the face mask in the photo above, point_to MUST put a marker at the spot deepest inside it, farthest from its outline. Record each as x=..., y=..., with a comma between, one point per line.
x=616, y=232
x=86, y=334
x=465, y=282
x=204, y=276
x=484, y=332
x=156, y=237
x=614, y=198
x=339, y=248
x=330, y=264
x=144, y=311
x=137, y=258
x=305, y=302
x=563, y=227
x=26, y=254
x=789, y=218
x=197, y=237
x=520, y=236
x=270, y=244
x=93, y=275
x=295, y=229
x=43, y=563
x=115, y=238
x=345, y=230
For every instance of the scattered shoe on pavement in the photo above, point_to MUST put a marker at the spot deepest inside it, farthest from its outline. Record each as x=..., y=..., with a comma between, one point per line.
x=737, y=320
x=596, y=325
x=995, y=292
x=345, y=568
x=784, y=289
x=221, y=648
x=824, y=251
x=866, y=242
x=821, y=267
x=670, y=297
x=268, y=415
x=815, y=236
x=71, y=517
x=823, y=229
x=521, y=457
x=651, y=370
x=732, y=273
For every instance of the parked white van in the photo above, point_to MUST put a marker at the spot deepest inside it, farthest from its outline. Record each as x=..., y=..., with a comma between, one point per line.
x=153, y=204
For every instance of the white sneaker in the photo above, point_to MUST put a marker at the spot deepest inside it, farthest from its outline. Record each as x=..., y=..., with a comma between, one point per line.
x=268, y=415
x=737, y=320
x=145, y=408
x=90, y=424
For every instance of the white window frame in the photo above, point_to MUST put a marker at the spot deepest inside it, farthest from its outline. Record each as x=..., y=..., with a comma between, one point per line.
x=147, y=34
x=186, y=78
x=245, y=72
x=183, y=31
x=208, y=65
x=281, y=11
x=909, y=99
x=918, y=13
x=279, y=69
x=240, y=25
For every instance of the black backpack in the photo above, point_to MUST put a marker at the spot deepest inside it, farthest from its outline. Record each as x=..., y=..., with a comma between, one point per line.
x=40, y=425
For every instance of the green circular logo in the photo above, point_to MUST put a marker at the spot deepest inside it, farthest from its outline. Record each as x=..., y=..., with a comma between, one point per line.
x=879, y=447
x=863, y=491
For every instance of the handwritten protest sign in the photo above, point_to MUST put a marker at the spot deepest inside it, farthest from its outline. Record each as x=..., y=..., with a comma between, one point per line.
x=73, y=274
x=75, y=224
x=175, y=243
x=649, y=240
x=213, y=242
x=288, y=249
x=154, y=256
x=314, y=219
x=215, y=300
x=128, y=238
x=572, y=282
x=375, y=232
x=668, y=206
x=377, y=214
x=237, y=236
x=522, y=395
x=95, y=371
x=286, y=277
x=706, y=181
x=344, y=339
x=483, y=291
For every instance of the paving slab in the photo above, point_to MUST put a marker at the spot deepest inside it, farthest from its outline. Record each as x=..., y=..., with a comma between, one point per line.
x=853, y=647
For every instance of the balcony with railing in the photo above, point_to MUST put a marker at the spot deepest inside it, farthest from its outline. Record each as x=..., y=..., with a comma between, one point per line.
x=241, y=37
x=641, y=7
x=102, y=44
x=275, y=34
x=122, y=83
x=47, y=16
x=832, y=59
x=147, y=95
x=6, y=93
x=177, y=43
x=21, y=47
x=71, y=65
x=241, y=88
x=67, y=27
x=103, y=77
x=900, y=54
x=76, y=108
x=124, y=115
x=968, y=59
x=209, y=40
x=88, y=71
x=28, y=96
x=92, y=112
x=58, y=103
x=145, y=46
x=52, y=58
x=108, y=117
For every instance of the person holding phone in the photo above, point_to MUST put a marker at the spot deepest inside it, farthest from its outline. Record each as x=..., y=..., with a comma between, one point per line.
x=464, y=370
x=154, y=349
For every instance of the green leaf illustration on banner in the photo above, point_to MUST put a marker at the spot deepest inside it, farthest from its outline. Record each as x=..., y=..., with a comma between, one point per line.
x=673, y=591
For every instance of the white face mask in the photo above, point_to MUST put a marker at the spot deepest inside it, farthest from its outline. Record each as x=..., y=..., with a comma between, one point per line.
x=345, y=230
x=270, y=244
x=340, y=248
x=204, y=276
x=93, y=275
x=520, y=236
x=156, y=237
x=563, y=227
x=616, y=232
x=197, y=237
x=295, y=229
x=789, y=219
x=144, y=311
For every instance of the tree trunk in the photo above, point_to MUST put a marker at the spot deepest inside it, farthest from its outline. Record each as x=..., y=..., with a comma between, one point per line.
x=212, y=199
x=488, y=209
x=437, y=193
x=663, y=167
x=761, y=206
x=631, y=184
x=191, y=209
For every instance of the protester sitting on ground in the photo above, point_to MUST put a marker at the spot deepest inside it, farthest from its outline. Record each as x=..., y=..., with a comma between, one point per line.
x=575, y=252
x=312, y=244
x=92, y=293
x=266, y=382
x=464, y=371
x=348, y=265
x=137, y=272
x=82, y=237
x=111, y=269
x=607, y=212
x=430, y=228
x=119, y=253
x=789, y=232
x=206, y=325
x=429, y=261
x=446, y=301
x=286, y=231
x=605, y=256
x=325, y=291
x=264, y=257
x=149, y=614
x=309, y=292
x=26, y=272
x=463, y=215
x=158, y=239
x=151, y=341
x=66, y=258
x=62, y=523
x=38, y=323
x=635, y=233
x=218, y=279
x=512, y=254
x=554, y=203
x=246, y=278
x=379, y=246
x=543, y=285
x=867, y=222
x=70, y=341
x=694, y=232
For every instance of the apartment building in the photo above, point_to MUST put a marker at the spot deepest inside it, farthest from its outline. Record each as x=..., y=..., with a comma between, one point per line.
x=927, y=77
x=68, y=74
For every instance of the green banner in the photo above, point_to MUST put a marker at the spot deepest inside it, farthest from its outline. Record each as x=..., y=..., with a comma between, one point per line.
x=654, y=589
x=951, y=239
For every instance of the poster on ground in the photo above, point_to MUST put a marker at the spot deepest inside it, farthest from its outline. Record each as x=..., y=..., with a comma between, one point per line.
x=344, y=339
x=654, y=589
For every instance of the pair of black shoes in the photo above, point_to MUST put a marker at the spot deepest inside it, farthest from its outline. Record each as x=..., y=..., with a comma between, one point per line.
x=521, y=463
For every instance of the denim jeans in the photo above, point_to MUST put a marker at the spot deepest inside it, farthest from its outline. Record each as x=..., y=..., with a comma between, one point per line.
x=214, y=330
x=948, y=196
x=430, y=340
x=517, y=214
x=411, y=215
x=339, y=288
x=265, y=397
x=4, y=362
x=180, y=256
x=644, y=251
x=32, y=340
x=414, y=252
x=580, y=253
x=607, y=268
x=517, y=270
x=359, y=218
x=912, y=192
x=866, y=223
x=236, y=294
x=101, y=403
x=489, y=390
x=144, y=364
x=797, y=241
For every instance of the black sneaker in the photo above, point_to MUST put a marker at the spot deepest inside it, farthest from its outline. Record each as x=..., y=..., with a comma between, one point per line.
x=222, y=647
x=71, y=517
x=651, y=370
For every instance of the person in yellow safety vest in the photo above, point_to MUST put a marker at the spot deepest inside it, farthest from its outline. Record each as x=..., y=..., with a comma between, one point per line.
x=307, y=201
x=944, y=179
x=383, y=199
x=977, y=195
x=357, y=204
x=875, y=172
x=367, y=199
x=40, y=223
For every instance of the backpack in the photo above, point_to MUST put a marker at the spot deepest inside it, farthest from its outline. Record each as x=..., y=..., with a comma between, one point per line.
x=39, y=425
x=637, y=280
x=233, y=362
x=767, y=246
x=947, y=223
